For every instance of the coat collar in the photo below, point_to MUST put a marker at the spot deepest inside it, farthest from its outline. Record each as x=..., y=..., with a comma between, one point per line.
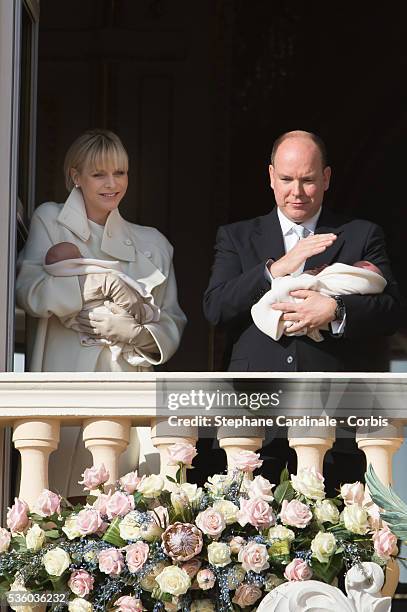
x=116, y=241
x=269, y=243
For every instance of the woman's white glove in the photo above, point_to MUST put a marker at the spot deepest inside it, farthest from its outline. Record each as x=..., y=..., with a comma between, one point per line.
x=116, y=327
x=113, y=327
x=111, y=287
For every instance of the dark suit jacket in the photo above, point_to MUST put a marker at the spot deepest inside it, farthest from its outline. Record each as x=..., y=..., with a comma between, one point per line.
x=238, y=281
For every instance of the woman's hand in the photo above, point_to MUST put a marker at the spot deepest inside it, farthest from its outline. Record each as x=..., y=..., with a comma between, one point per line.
x=117, y=326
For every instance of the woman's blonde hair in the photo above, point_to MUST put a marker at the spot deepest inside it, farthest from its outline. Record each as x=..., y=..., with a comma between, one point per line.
x=95, y=149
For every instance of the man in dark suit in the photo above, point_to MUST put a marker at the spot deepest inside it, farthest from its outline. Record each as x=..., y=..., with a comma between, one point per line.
x=249, y=254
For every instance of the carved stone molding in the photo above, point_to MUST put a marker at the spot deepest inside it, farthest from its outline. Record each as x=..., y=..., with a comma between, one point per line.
x=363, y=585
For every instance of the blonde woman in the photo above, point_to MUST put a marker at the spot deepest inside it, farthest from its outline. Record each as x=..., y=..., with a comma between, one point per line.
x=96, y=167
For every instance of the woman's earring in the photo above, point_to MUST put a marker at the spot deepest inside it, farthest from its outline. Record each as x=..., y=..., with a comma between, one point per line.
x=76, y=185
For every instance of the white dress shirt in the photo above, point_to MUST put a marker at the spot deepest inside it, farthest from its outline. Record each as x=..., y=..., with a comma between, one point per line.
x=291, y=235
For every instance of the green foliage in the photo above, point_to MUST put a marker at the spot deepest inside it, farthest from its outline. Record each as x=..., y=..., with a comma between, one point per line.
x=395, y=510
x=112, y=534
x=327, y=571
x=285, y=475
x=284, y=491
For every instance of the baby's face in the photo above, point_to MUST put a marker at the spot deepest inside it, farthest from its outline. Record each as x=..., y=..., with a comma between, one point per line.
x=367, y=265
x=61, y=252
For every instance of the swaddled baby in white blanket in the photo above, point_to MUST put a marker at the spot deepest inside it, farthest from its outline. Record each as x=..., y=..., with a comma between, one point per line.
x=339, y=279
x=102, y=293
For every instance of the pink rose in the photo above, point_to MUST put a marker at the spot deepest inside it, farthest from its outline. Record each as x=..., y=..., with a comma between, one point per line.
x=261, y=487
x=353, y=493
x=295, y=513
x=191, y=567
x=236, y=544
x=47, y=503
x=247, y=595
x=94, y=476
x=119, y=504
x=88, y=521
x=128, y=604
x=246, y=461
x=111, y=561
x=257, y=512
x=5, y=539
x=298, y=570
x=136, y=555
x=205, y=579
x=101, y=503
x=81, y=583
x=211, y=522
x=384, y=543
x=181, y=453
x=17, y=516
x=374, y=518
x=130, y=482
x=254, y=557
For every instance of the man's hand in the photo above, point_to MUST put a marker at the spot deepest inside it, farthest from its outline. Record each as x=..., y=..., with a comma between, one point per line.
x=303, y=250
x=314, y=311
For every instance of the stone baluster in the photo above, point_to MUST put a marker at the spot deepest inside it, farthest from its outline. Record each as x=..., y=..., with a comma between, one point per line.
x=35, y=439
x=312, y=447
x=107, y=439
x=249, y=438
x=162, y=437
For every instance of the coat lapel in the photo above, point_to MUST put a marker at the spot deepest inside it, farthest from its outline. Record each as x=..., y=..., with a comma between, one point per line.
x=118, y=240
x=327, y=223
x=267, y=238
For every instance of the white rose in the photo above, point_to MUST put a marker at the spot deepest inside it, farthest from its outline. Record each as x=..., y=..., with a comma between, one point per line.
x=219, y=554
x=70, y=528
x=228, y=509
x=281, y=533
x=151, y=486
x=217, y=483
x=132, y=529
x=355, y=519
x=326, y=511
x=148, y=583
x=56, y=561
x=193, y=492
x=129, y=527
x=203, y=605
x=309, y=482
x=34, y=538
x=173, y=580
x=260, y=487
x=18, y=585
x=236, y=577
x=323, y=546
x=80, y=605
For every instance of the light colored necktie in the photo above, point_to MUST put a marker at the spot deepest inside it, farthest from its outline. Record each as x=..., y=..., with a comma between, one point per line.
x=301, y=232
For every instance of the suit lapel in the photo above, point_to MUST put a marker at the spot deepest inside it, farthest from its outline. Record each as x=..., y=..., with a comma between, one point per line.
x=267, y=238
x=327, y=223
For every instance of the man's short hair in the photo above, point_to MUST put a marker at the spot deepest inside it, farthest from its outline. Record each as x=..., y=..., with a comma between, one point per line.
x=294, y=134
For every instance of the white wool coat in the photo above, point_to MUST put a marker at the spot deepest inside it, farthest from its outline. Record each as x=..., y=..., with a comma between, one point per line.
x=145, y=255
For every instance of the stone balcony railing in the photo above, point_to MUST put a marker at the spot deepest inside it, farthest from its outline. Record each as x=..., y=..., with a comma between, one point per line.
x=36, y=406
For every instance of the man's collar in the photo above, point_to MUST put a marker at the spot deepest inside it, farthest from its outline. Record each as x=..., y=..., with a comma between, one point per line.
x=287, y=225
x=116, y=241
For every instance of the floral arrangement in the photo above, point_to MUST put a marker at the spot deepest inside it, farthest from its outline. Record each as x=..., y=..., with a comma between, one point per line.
x=138, y=546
